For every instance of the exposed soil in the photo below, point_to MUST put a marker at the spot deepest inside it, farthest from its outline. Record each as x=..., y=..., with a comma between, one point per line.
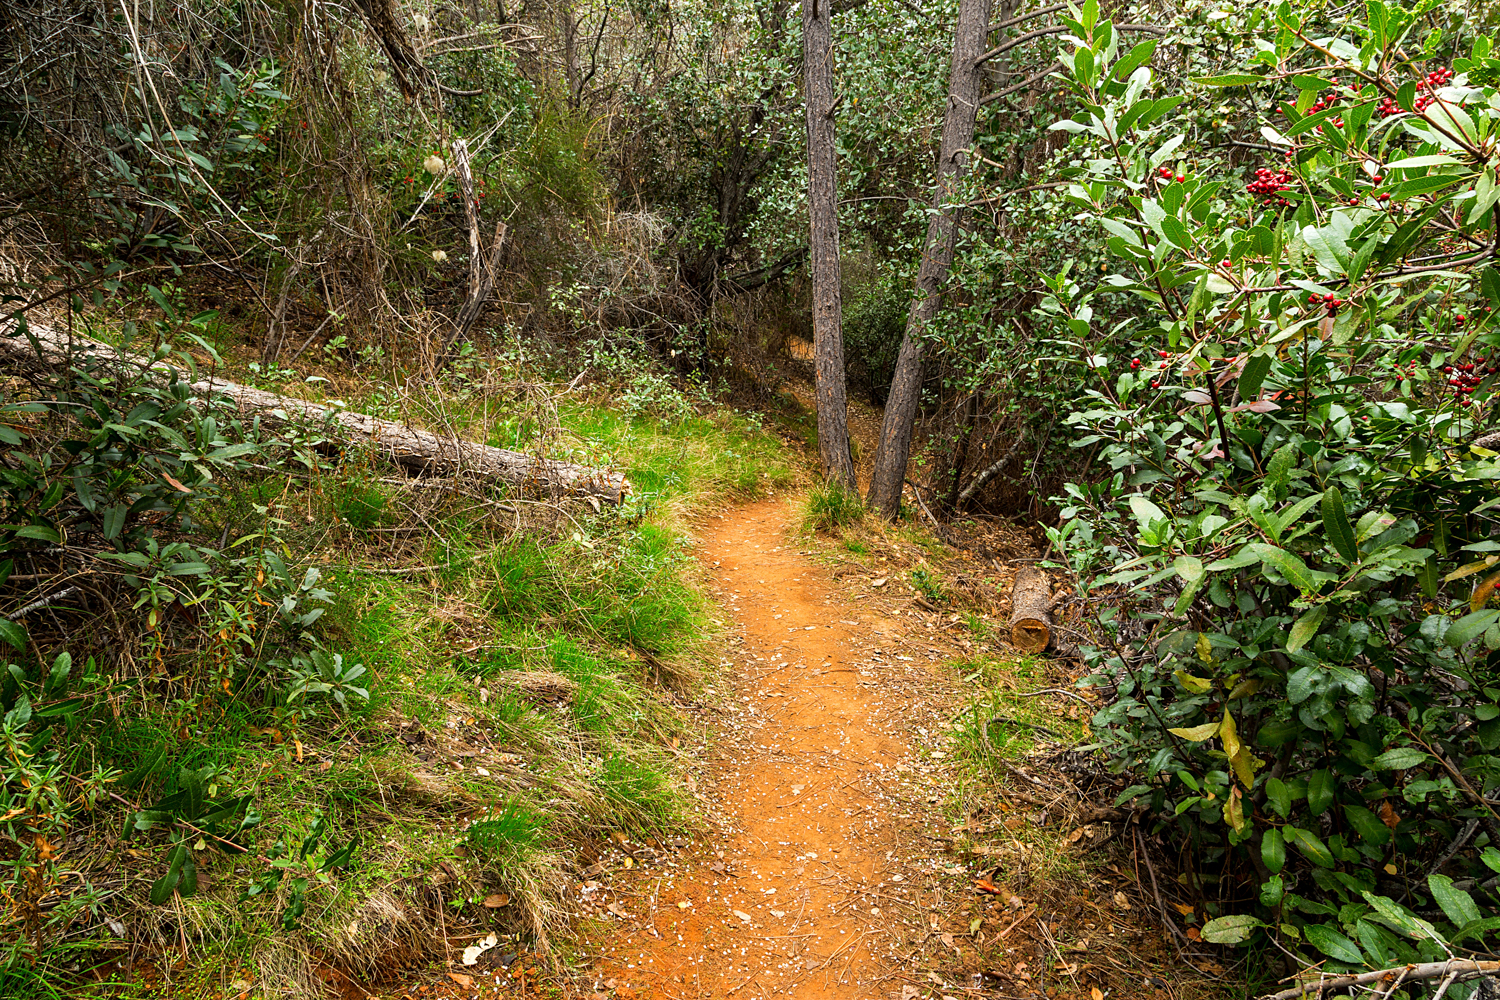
x=814, y=786
x=827, y=867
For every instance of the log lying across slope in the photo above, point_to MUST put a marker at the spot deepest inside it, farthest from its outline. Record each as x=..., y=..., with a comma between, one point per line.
x=417, y=450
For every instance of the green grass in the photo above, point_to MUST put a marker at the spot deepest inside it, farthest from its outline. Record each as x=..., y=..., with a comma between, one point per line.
x=450, y=762
x=997, y=725
x=831, y=505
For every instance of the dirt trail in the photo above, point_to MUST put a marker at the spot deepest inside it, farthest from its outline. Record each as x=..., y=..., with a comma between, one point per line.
x=810, y=783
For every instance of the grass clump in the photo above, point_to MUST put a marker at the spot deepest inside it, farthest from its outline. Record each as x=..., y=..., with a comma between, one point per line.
x=831, y=505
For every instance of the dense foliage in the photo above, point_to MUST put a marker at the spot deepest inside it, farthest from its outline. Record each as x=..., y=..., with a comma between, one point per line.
x=1294, y=525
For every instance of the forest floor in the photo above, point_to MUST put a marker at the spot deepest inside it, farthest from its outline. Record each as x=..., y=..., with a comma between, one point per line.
x=857, y=838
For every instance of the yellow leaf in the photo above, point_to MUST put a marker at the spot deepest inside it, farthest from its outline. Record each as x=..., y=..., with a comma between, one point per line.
x=1244, y=689
x=1197, y=734
x=1197, y=685
x=1482, y=592
x=1471, y=568
x=1205, y=649
x=1095, y=993
x=1240, y=758
x=1233, y=814
x=1230, y=735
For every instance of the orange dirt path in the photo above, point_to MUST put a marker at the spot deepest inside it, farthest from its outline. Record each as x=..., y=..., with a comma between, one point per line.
x=799, y=891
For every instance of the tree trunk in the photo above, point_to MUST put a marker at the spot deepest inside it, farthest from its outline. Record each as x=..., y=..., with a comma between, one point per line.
x=416, y=450
x=1031, y=611
x=937, y=256
x=822, y=211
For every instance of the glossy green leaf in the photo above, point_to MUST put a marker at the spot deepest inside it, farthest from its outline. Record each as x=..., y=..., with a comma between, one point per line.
x=1333, y=944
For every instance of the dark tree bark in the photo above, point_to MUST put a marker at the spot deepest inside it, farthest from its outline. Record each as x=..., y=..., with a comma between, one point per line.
x=823, y=216
x=937, y=256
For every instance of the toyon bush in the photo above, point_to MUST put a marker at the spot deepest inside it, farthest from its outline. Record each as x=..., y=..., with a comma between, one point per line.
x=1294, y=550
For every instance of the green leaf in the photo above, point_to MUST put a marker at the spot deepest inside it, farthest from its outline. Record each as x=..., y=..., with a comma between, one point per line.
x=1311, y=847
x=1399, y=759
x=1305, y=628
x=1145, y=511
x=1479, y=929
x=1233, y=929
x=13, y=634
x=1280, y=797
x=1456, y=904
x=1257, y=367
x=113, y=520
x=161, y=890
x=1273, y=850
x=1333, y=944
x=1320, y=789
x=1399, y=918
x=1302, y=81
x=1291, y=567
x=1367, y=825
x=1229, y=80
x=1190, y=568
x=1438, y=160
x=1173, y=229
x=1336, y=524
x=1470, y=627
x=40, y=532
x=1197, y=734
x=1489, y=281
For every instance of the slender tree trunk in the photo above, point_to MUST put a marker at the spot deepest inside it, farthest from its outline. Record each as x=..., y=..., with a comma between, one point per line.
x=937, y=256
x=822, y=210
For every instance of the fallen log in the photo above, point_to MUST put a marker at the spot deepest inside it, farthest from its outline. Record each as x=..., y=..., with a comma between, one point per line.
x=418, y=451
x=1031, y=611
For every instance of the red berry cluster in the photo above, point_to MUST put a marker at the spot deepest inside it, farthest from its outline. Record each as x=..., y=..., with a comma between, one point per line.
x=1271, y=183
x=1331, y=302
x=1432, y=81
x=1465, y=378
x=1323, y=104
x=1155, y=383
x=1165, y=173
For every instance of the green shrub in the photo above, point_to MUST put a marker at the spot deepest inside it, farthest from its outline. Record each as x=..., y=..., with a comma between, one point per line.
x=1307, y=689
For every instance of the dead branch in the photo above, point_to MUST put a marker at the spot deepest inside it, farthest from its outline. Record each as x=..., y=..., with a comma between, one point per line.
x=1461, y=969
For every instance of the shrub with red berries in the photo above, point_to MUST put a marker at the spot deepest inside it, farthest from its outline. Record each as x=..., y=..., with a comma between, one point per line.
x=1269, y=184
x=1464, y=378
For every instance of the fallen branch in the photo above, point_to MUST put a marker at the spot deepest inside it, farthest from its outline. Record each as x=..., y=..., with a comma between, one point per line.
x=420, y=452
x=1461, y=969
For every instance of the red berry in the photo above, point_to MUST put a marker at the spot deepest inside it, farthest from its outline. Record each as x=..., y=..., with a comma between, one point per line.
x=1180, y=177
x=1226, y=263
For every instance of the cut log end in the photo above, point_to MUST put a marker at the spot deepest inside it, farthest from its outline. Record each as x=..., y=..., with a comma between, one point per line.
x=1030, y=635
x=1031, y=611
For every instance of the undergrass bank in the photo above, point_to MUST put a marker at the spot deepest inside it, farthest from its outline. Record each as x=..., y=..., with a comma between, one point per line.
x=526, y=664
